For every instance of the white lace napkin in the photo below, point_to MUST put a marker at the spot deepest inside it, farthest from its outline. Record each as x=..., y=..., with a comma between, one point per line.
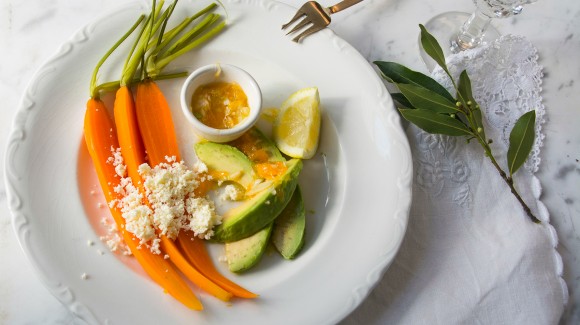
x=471, y=255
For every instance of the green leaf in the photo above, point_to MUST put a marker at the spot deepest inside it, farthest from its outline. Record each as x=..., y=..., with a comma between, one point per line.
x=466, y=93
x=400, y=74
x=432, y=122
x=464, y=86
x=432, y=48
x=423, y=98
x=399, y=98
x=521, y=141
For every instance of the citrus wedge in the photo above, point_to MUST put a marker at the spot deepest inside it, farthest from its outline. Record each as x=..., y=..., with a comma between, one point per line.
x=297, y=127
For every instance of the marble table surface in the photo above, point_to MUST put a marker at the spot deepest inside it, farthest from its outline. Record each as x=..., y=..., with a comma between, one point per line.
x=32, y=30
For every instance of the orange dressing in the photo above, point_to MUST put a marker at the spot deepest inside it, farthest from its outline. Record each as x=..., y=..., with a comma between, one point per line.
x=204, y=187
x=270, y=170
x=251, y=148
x=220, y=105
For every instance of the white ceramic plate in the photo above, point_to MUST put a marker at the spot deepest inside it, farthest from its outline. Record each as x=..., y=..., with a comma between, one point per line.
x=357, y=189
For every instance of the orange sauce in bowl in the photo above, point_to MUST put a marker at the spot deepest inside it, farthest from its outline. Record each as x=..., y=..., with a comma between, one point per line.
x=220, y=105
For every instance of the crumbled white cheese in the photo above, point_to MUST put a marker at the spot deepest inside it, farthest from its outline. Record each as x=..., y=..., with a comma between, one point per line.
x=168, y=205
x=84, y=276
x=113, y=238
x=200, y=167
x=232, y=193
x=170, y=191
x=203, y=217
x=117, y=160
x=90, y=242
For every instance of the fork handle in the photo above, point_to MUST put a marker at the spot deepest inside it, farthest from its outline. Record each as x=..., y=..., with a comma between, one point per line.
x=343, y=5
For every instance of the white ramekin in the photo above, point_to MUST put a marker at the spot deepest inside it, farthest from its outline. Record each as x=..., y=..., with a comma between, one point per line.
x=221, y=73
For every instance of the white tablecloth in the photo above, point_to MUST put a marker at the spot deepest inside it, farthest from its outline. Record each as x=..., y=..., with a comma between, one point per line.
x=471, y=254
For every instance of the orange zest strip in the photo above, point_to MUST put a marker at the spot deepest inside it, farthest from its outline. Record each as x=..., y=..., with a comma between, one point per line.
x=196, y=252
x=100, y=137
x=133, y=152
x=158, y=133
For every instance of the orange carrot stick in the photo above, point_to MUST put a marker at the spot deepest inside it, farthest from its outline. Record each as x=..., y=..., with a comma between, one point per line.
x=197, y=254
x=101, y=138
x=133, y=151
x=155, y=123
x=158, y=133
x=130, y=141
x=192, y=273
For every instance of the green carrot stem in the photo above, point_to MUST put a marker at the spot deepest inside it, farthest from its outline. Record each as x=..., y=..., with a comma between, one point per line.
x=203, y=38
x=93, y=85
x=162, y=19
x=185, y=39
x=153, y=55
x=114, y=85
x=167, y=38
x=171, y=34
x=136, y=56
x=154, y=67
x=171, y=75
x=135, y=44
x=164, y=25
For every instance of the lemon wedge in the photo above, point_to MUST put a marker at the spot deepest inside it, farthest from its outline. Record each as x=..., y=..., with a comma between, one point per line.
x=297, y=126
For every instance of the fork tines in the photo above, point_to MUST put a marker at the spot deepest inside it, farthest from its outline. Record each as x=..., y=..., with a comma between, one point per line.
x=311, y=14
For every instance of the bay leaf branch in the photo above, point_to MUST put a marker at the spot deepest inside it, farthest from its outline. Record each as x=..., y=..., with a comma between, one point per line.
x=521, y=141
x=435, y=123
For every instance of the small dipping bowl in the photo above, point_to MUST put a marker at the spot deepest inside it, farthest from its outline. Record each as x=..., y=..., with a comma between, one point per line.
x=221, y=73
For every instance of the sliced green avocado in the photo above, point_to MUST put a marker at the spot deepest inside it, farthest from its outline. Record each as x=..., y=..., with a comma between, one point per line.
x=247, y=252
x=260, y=210
x=229, y=162
x=257, y=146
x=289, y=227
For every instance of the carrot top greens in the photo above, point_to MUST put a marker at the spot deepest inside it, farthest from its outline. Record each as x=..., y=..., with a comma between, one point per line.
x=94, y=89
x=155, y=47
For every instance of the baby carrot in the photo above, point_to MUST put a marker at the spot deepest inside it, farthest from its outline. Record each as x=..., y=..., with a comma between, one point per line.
x=101, y=139
x=132, y=148
x=196, y=252
x=157, y=130
x=133, y=151
x=155, y=123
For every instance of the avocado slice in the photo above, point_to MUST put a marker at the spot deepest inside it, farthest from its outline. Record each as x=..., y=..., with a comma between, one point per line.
x=245, y=253
x=261, y=209
x=258, y=147
x=226, y=163
x=289, y=227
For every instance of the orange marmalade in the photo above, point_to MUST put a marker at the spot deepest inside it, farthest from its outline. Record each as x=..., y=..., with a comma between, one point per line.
x=220, y=105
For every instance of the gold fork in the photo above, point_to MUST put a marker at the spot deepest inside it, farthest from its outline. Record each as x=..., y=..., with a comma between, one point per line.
x=316, y=16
